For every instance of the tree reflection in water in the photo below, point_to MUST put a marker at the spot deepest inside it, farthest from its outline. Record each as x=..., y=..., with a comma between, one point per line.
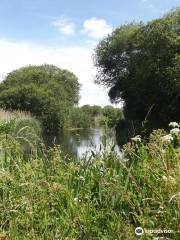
x=79, y=142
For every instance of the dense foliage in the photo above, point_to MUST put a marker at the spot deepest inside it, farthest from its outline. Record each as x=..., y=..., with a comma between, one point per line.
x=46, y=91
x=93, y=116
x=140, y=63
x=110, y=116
x=48, y=196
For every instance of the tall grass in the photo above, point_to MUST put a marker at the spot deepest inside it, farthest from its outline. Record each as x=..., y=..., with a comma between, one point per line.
x=50, y=197
x=19, y=128
x=9, y=115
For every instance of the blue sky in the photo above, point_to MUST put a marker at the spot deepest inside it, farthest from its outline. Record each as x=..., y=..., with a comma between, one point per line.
x=65, y=33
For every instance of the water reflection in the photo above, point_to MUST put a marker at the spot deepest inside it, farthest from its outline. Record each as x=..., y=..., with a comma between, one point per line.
x=77, y=143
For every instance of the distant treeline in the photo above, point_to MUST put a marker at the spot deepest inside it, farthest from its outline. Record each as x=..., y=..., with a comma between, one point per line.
x=93, y=116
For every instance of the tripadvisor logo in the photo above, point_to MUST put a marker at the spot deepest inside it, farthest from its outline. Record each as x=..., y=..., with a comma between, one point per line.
x=139, y=231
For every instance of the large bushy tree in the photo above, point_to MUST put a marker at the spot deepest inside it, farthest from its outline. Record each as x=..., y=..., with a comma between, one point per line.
x=140, y=63
x=46, y=91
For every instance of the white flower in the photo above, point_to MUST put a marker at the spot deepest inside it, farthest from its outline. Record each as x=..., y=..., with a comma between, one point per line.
x=75, y=199
x=175, y=131
x=164, y=178
x=167, y=138
x=169, y=179
x=174, y=125
x=136, y=138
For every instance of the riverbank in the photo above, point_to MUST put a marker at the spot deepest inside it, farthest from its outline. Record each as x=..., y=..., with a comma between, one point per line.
x=49, y=196
x=74, y=129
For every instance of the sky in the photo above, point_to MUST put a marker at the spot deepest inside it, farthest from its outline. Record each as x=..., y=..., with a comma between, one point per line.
x=65, y=34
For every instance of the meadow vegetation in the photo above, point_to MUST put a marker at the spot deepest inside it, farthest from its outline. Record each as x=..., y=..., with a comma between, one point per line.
x=49, y=196
x=20, y=129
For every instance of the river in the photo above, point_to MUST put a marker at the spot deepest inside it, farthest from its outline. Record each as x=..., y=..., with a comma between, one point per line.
x=81, y=142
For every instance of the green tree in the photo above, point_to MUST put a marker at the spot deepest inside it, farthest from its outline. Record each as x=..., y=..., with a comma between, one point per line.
x=111, y=116
x=140, y=63
x=77, y=118
x=93, y=113
x=46, y=91
x=83, y=117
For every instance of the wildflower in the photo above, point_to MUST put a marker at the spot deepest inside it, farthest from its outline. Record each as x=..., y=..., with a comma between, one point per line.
x=175, y=131
x=169, y=179
x=136, y=138
x=167, y=138
x=174, y=125
x=164, y=178
x=75, y=199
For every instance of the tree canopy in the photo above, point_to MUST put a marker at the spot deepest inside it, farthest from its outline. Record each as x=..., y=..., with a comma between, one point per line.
x=140, y=63
x=111, y=116
x=46, y=91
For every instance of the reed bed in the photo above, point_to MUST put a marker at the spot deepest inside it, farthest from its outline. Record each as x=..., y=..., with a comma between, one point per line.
x=9, y=115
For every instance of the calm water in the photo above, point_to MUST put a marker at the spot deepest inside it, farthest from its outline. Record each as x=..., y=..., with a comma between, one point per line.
x=81, y=142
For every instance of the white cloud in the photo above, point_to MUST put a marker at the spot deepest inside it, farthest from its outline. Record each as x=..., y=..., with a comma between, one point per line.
x=76, y=59
x=96, y=28
x=64, y=26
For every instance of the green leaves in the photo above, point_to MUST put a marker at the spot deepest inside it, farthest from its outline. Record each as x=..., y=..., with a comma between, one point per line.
x=140, y=64
x=46, y=91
